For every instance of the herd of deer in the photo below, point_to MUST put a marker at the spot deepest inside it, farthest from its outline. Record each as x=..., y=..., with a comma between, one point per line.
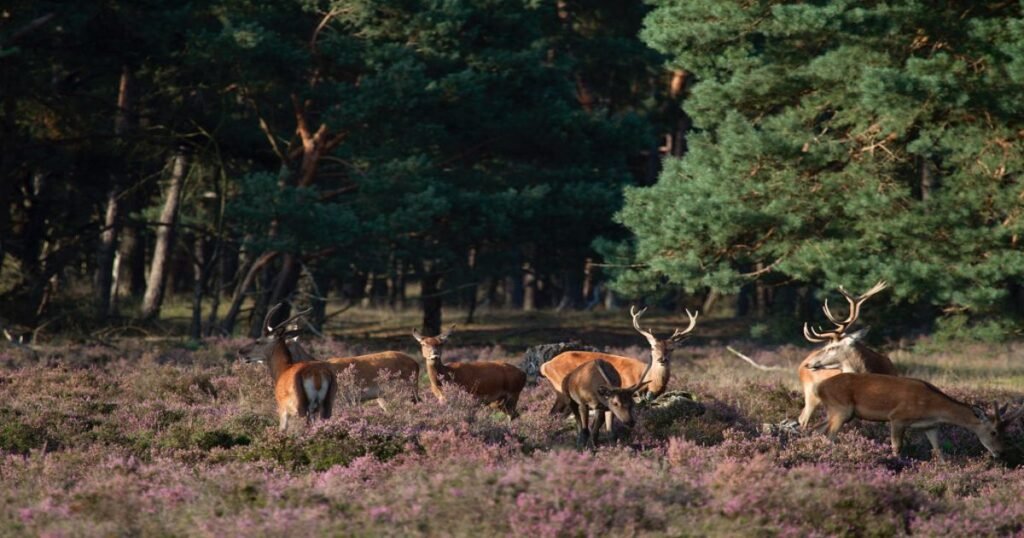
x=850, y=379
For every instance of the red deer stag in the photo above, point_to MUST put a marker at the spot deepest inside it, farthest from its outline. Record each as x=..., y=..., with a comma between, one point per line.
x=843, y=352
x=367, y=369
x=494, y=383
x=904, y=403
x=300, y=388
x=632, y=371
x=596, y=385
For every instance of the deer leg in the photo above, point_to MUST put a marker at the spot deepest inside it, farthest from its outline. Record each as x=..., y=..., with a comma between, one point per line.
x=836, y=421
x=896, y=430
x=580, y=412
x=561, y=404
x=933, y=439
x=283, y=422
x=510, y=406
x=810, y=404
x=595, y=428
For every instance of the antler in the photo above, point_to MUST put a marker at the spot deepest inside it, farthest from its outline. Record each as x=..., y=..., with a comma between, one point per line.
x=636, y=323
x=851, y=317
x=681, y=334
x=273, y=330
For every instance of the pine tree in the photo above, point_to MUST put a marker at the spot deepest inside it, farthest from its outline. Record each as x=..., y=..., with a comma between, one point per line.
x=840, y=143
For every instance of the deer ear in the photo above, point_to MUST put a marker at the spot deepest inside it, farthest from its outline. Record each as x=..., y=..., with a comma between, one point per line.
x=416, y=334
x=604, y=391
x=857, y=336
x=980, y=413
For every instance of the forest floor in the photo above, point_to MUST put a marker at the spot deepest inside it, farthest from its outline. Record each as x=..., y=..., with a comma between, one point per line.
x=161, y=436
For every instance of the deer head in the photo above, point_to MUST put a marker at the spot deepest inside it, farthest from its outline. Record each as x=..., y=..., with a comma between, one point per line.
x=839, y=341
x=430, y=346
x=259, y=350
x=620, y=400
x=661, y=349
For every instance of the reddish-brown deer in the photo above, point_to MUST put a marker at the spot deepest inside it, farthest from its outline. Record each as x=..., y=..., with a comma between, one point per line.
x=300, y=388
x=632, y=371
x=907, y=403
x=596, y=386
x=843, y=352
x=493, y=383
x=368, y=369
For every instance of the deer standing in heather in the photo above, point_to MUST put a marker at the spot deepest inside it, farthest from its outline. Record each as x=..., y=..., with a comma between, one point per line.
x=596, y=385
x=300, y=388
x=493, y=383
x=632, y=371
x=905, y=403
x=843, y=352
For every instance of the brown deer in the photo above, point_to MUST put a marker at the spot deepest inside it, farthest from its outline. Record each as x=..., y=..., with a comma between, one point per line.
x=368, y=368
x=596, y=386
x=300, y=388
x=904, y=403
x=493, y=383
x=843, y=352
x=632, y=371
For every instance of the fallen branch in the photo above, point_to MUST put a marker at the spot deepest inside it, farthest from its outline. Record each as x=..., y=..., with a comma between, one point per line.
x=754, y=364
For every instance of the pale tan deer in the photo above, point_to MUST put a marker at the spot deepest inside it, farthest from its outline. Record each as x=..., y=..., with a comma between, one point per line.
x=596, y=386
x=905, y=403
x=493, y=383
x=843, y=352
x=368, y=369
x=300, y=388
x=632, y=371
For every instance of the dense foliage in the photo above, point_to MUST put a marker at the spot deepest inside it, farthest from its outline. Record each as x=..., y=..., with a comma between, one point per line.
x=838, y=143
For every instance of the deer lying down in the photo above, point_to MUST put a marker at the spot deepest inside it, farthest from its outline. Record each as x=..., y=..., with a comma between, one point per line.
x=493, y=383
x=595, y=385
x=368, y=368
x=904, y=403
x=300, y=388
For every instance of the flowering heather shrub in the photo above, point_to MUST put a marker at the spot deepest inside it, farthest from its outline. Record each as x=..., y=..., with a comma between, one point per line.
x=154, y=439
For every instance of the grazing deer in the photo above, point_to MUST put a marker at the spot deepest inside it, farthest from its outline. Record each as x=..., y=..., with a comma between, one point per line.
x=596, y=385
x=300, y=388
x=904, y=403
x=494, y=383
x=843, y=352
x=367, y=368
x=631, y=371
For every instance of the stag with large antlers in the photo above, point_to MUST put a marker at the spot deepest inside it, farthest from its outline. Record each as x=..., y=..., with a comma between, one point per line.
x=843, y=351
x=300, y=388
x=632, y=371
x=493, y=383
x=596, y=386
x=908, y=403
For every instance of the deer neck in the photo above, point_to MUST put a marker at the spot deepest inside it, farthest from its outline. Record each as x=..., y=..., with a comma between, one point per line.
x=435, y=371
x=658, y=376
x=280, y=359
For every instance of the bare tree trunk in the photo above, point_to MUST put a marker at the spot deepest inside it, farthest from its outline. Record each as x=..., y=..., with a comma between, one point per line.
x=529, y=288
x=154, y=296
x=284, y=286
x=104, y=277
x=195, y=329
x=228, y=325
x=430, y=296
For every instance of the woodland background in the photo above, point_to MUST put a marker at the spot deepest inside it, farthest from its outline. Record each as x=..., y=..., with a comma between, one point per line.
x=742, y=157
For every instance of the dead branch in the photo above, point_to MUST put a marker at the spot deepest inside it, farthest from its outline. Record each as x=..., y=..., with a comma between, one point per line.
x=754, y=364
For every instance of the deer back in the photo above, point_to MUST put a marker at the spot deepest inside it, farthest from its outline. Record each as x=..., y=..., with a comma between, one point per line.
x=556, y=370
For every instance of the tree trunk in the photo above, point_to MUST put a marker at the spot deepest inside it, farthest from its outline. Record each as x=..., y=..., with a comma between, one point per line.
x=284, y=287
x=228, y=325
x=154, y=296
x=103, y=279
x=430, y=296
x=195, y=329
x=529, y=288
x=103, y=276
x=321, y=284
